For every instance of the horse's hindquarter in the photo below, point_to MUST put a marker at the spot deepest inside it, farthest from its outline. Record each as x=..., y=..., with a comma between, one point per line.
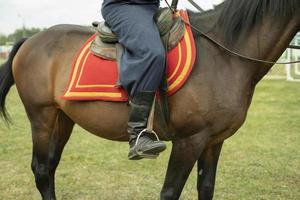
x=43, y=63
x=41, y=72
x=42, y=66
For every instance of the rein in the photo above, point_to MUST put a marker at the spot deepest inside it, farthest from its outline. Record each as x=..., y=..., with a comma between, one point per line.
x=173, y=8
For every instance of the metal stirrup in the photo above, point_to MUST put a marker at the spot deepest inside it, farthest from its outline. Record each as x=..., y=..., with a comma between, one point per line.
x=145, y=131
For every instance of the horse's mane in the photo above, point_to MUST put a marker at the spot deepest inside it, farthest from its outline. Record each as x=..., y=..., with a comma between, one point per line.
x=236, y=16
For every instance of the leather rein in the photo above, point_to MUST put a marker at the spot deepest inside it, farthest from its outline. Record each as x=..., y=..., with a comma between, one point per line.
x=173, y=8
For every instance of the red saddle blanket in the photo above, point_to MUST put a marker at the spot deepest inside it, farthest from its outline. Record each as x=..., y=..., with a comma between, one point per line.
x=94, y=78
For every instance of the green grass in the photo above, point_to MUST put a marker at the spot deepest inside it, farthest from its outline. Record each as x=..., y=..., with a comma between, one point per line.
x=262, y=161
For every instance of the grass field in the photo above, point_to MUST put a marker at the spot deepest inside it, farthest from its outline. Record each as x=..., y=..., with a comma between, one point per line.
x=262, y=161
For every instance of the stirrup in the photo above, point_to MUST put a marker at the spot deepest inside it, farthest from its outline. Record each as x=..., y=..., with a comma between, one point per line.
x=146, y=131
x=140, y=155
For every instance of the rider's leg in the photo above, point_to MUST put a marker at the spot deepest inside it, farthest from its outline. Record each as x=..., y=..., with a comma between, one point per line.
x=142, y=68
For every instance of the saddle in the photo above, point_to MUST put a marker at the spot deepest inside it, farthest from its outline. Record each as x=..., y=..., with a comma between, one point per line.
x=171, y=28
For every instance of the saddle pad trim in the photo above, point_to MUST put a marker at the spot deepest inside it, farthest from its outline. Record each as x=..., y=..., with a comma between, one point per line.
x=182, y=57
x=79, y=64
x=186, y=67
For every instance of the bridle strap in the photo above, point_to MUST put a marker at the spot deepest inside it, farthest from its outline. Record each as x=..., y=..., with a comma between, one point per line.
x=174, y=4
x=196, y=5
x=237, y=54
x=227, y=49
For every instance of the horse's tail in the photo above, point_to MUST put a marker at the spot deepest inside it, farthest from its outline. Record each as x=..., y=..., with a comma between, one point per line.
x=6, y=78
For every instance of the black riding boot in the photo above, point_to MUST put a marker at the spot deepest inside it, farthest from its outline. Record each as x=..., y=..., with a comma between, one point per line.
x=142, y=143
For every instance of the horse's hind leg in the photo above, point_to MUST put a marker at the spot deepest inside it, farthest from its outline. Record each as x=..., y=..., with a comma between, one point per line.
x=51, y=130
x=185, y=152
x=207, y=167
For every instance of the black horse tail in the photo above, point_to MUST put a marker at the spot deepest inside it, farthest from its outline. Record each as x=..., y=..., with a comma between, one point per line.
x=6, y=78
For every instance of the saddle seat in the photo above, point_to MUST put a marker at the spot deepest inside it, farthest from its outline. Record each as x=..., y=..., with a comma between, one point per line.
x=171, y=28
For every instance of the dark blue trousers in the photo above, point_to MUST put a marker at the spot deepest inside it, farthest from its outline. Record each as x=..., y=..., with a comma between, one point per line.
x=143, y=60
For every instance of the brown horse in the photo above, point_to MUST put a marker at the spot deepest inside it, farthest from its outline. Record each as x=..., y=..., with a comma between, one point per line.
x=211, y=107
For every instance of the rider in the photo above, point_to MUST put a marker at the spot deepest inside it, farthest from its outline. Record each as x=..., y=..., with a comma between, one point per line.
x=142, y=66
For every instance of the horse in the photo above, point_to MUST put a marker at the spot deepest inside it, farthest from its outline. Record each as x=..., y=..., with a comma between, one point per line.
x=210, y=107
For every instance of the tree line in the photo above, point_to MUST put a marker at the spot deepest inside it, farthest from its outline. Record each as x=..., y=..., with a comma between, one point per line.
x=18, y=34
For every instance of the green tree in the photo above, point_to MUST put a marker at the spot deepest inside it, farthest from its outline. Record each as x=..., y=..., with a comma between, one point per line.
x=18, y=34
x=3, y=39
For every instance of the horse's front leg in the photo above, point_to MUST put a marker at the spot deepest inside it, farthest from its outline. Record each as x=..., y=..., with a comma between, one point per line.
x=185, y=152
x=207, y=167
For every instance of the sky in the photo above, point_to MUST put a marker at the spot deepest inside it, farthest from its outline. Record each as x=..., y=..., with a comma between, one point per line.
x=44, y=13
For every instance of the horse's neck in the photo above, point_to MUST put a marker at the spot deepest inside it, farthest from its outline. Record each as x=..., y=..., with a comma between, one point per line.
x=219, y=71
x=267, y=41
